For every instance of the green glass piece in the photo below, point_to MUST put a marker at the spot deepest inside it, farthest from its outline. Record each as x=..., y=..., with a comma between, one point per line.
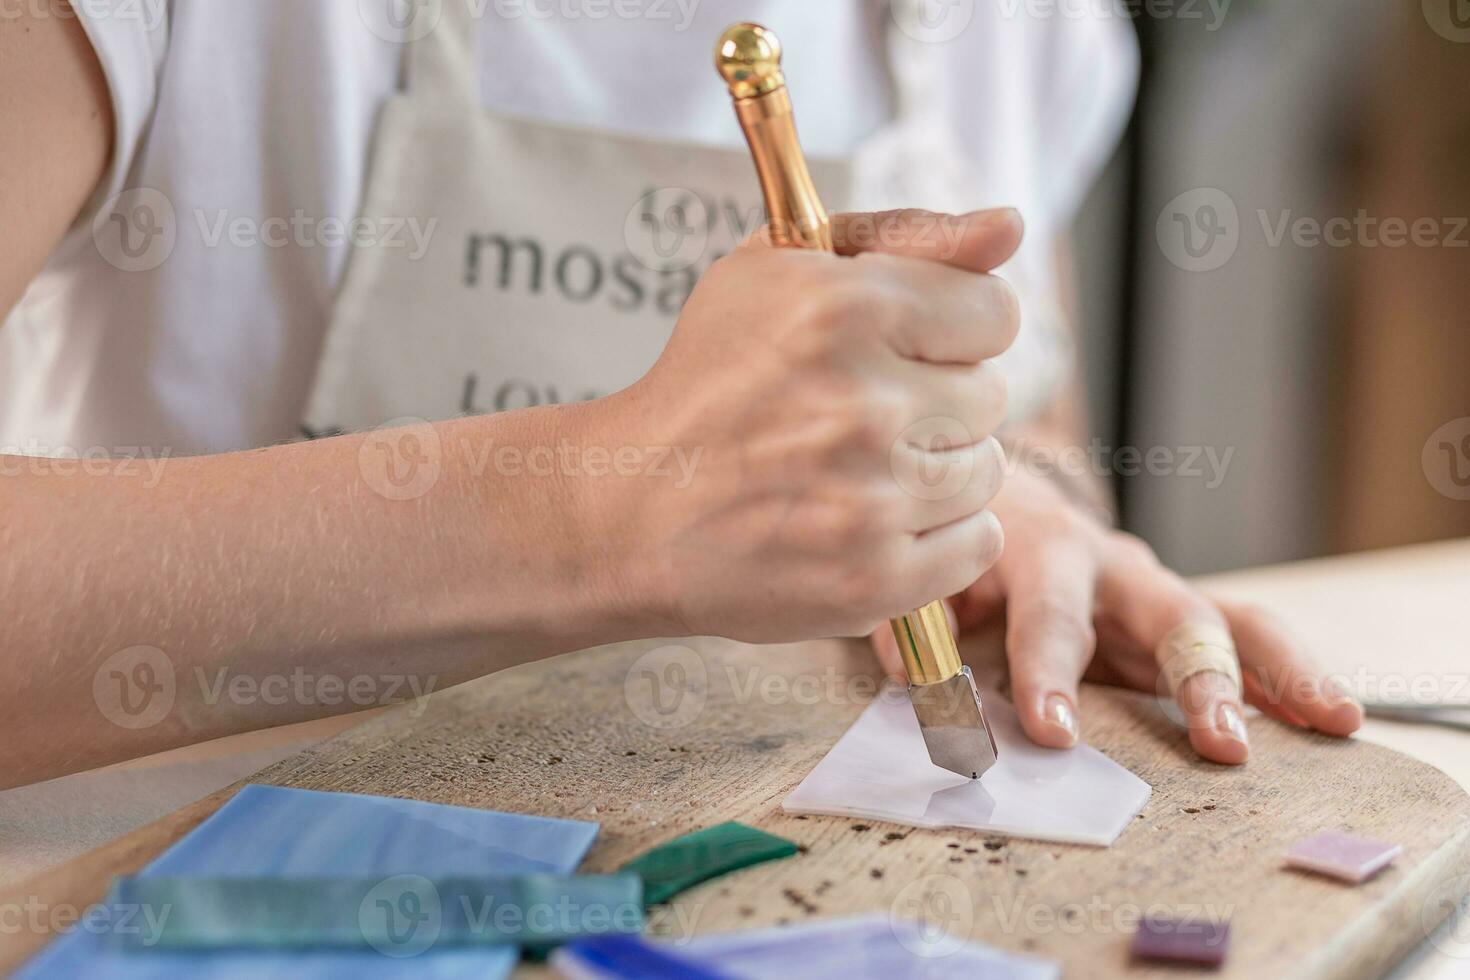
x=531, y=910
x=686, y=861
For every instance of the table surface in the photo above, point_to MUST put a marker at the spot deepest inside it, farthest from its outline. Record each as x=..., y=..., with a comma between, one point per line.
x=1413, y=636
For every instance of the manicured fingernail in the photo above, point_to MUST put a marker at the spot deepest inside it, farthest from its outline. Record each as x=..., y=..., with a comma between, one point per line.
x=1229, y=721
x=1058, y=711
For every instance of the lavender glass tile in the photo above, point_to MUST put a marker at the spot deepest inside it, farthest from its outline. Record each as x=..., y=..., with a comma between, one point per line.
x=870, y=947
x=1182, y=941
x=293, y=833
x=880, y=770
x=1342, y=856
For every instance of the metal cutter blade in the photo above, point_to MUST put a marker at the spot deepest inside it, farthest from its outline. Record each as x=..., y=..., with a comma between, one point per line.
x=953, y=723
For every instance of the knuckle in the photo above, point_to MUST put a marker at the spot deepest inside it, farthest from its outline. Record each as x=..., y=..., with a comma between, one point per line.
x=1049, y=615
x=992, y=395
x=1133, y=549
x=990, y=544
x=872, y=418
x=1007, y=310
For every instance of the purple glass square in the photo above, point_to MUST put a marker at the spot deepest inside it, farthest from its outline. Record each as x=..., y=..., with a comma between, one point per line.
x=1342, y=856
x=1182, y=940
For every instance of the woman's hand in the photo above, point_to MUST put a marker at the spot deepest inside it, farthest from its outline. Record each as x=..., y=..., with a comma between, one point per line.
x=789, y=382
x=1080, y=599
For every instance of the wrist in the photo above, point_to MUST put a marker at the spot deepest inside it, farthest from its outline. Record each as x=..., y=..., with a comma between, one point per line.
x=590, y=484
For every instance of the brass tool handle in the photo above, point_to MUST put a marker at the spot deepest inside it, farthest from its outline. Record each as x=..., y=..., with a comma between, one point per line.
x=749, y=59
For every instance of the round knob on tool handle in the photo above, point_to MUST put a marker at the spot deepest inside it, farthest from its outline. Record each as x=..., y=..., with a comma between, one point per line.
x=749, y=58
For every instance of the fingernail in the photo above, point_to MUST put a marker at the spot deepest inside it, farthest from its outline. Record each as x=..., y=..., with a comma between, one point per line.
x=1229, y=721
x=1058, y=711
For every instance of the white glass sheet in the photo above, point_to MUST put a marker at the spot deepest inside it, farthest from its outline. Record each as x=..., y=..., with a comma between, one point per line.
x=880, y=770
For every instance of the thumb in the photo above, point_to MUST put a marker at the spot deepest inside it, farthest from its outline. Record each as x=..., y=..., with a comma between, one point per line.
x=976, y=242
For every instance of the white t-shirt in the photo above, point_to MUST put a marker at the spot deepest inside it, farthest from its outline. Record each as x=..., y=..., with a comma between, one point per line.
x=254, y=118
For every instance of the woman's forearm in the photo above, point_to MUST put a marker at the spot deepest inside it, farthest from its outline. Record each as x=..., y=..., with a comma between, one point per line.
x=152, y=604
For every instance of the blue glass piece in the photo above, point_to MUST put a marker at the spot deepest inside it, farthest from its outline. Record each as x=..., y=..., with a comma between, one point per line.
x=269, y=831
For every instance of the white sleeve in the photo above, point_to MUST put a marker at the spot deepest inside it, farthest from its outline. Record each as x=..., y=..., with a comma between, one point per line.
x=130, y=38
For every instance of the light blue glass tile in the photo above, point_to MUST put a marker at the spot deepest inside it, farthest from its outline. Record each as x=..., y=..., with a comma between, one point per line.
x=271, y=831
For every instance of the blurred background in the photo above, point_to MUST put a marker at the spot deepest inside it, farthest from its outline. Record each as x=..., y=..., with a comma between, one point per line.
x=1275, y=278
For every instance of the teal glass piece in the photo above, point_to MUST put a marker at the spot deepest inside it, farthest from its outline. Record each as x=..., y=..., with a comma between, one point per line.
x=537, y=910
x=686, y=861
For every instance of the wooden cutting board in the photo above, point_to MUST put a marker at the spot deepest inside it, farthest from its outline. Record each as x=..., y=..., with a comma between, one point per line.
x=580, y=736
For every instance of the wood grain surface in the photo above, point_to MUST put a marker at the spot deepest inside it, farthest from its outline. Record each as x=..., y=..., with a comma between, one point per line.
x=594, y=736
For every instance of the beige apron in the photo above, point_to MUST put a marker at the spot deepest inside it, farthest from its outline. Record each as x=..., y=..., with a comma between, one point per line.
x=558, y=258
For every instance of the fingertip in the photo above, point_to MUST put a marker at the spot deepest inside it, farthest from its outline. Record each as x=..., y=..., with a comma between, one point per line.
x=1341, y=719
x=1215, y=719
x=1211, y=744
x=991, y=237
x=1050, y=720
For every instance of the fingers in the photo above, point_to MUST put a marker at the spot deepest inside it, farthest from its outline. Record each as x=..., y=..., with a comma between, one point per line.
x=948, y=559
x=963, y=405
x=1050, y=638
x=946, y=315
x=975, y=242
x=948, y=484
x=1149, y=602
x=1282, y=679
